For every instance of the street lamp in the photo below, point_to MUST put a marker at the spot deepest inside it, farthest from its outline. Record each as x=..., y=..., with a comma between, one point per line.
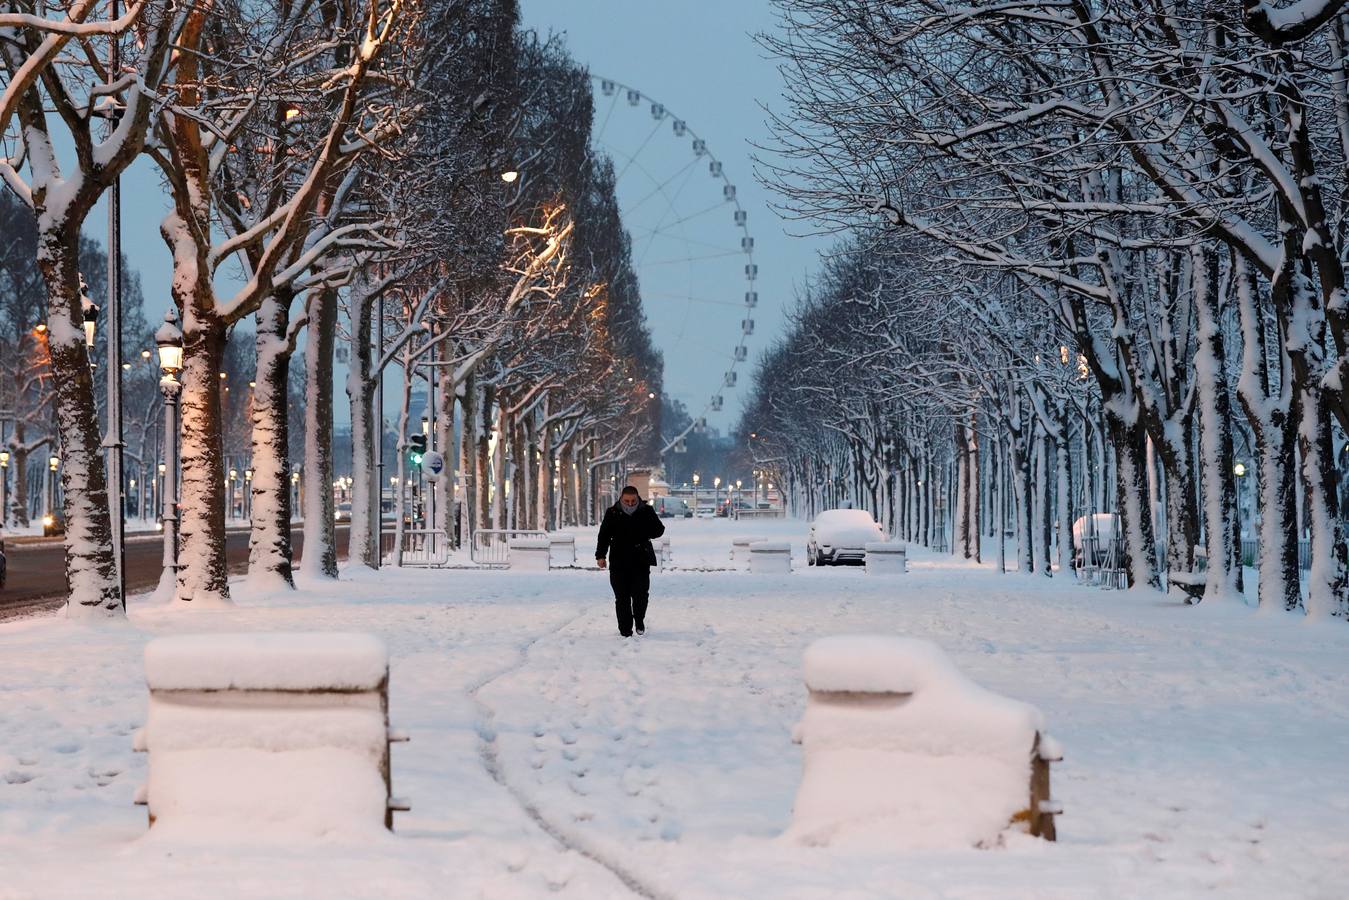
x=169, y=341
x=695, y=493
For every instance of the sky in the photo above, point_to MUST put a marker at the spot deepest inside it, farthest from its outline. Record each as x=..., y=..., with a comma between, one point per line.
x=699, y=60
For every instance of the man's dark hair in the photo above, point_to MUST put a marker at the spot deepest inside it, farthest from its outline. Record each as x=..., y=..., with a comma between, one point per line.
x=630, y=490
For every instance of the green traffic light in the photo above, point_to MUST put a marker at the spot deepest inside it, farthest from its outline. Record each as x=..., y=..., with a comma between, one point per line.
x=416, y=459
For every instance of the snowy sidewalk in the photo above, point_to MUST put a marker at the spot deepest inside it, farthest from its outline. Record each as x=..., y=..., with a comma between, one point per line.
x=1204, y=748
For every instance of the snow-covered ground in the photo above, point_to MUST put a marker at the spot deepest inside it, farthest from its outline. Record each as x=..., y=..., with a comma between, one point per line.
x=1206, y=748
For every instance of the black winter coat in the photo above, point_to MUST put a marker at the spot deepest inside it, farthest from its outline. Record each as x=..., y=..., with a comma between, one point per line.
x=626, y=538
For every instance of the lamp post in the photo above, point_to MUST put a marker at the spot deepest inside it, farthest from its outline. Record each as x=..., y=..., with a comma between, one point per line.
x=4, y=487
x=248, y=494
x=1239, y=470
x=49, y=520
x=695, y=493
x=169, y=340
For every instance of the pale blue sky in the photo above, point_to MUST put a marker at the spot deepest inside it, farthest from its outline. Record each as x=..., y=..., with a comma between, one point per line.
x=699, y=59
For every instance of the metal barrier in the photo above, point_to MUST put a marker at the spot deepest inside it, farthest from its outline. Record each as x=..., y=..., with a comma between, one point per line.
x=424, y=547
x=491, y=546
x=775, y=513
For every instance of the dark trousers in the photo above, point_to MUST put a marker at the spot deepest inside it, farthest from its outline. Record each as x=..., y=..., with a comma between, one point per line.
x=632, y=587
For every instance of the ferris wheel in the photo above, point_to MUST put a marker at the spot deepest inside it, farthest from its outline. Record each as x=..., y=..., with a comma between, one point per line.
x=691, y=245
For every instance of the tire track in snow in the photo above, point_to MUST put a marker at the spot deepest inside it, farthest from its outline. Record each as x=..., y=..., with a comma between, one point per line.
x=491, y=760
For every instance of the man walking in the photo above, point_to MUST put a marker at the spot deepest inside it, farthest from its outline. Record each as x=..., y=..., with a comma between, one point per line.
x=625, y=536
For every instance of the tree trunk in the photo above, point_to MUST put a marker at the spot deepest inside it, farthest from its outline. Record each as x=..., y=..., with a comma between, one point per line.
x=202, y=574
x=1222, y=542
x=362, y=382
x=269, y=550
x=1129, y=440
x=320, y=539
x=91, y=569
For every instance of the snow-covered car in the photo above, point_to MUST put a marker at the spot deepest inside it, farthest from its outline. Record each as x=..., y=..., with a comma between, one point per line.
x=707, y=512
x=841, y=535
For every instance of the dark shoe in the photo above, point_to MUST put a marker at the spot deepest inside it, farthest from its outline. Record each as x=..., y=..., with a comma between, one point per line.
x=625, y=634
x=641, y=628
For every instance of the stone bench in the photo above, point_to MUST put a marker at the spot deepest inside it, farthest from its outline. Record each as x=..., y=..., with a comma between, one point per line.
x=562, y=549
x=532, y=554
x=283, y=733
x=740, y=550
x=900, y=748
x=770, y=558
x=885, y=558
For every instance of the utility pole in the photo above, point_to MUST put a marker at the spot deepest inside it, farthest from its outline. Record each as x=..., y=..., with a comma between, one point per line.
x=113, y=439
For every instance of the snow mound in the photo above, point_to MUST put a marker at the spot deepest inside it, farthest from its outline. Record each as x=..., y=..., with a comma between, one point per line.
x=300, y=661
x=902, y=750
x=770, y=547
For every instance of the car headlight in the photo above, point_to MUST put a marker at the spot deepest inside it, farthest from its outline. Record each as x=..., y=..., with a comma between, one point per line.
x=48, y=521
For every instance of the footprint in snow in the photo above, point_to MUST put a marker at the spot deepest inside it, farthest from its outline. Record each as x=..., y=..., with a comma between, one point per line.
x=17, y=777
x=67, y=747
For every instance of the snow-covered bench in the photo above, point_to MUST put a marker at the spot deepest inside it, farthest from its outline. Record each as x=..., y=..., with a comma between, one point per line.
x=885, y=558
x=530, y=554
x=901, y=748
x=267, y=732
x=770, y=558
x=562, y=549
x=740, y=549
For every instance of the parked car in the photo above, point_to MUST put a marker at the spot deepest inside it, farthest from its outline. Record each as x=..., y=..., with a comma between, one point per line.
x=841, y=535
x=53, y=525
x=343, y=512
x=731, y=507
x=706, y=512
x=671, y=508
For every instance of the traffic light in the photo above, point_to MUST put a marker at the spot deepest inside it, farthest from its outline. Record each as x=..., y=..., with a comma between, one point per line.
x=416, y=448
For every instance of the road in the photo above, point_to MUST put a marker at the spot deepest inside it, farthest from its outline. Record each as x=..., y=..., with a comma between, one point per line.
x=37, y=570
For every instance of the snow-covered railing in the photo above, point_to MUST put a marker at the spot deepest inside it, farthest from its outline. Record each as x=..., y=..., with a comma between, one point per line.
x=770, y=558
x=284, y=733
x=491, y=546
x=901, y=748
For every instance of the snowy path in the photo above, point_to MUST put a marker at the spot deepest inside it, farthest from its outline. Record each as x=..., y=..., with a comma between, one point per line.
x=1205, y=748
